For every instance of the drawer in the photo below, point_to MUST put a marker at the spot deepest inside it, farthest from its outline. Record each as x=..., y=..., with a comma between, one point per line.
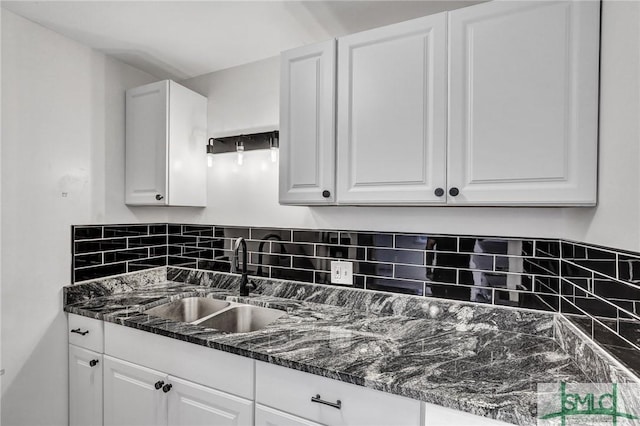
x=86, y=333
x=267, y=416
x=436, y=415
x=358, y=405
x=209, y=367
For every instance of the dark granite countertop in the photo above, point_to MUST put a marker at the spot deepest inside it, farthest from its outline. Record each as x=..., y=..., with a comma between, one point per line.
x=479, y=359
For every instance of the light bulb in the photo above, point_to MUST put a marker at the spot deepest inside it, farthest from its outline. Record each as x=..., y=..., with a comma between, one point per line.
x=210, y=152
x=273, y=145
x=240, y=150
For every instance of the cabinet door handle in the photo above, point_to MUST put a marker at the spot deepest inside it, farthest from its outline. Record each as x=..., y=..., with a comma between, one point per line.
x=326, y=194
x=166, y=388
x=79, y=331
x=93, y=362
x=159, y=197
x=439, y=192
x=454, y=191
x=318, y=399
x=158, y=384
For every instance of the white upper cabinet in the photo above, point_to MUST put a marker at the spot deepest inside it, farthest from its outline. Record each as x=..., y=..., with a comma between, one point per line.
x=523, y=103
x=392, y=115
x=307, y=124
x=493, y=104
x=166, y=130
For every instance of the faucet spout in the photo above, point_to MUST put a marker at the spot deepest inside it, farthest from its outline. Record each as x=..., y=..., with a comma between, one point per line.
x=241, y=244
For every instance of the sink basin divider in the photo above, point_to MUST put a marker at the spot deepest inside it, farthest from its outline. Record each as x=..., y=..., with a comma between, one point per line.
x=231, y=306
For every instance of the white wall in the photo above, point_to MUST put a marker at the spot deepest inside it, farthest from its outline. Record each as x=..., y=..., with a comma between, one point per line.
x=62, y=132
x=243, y=98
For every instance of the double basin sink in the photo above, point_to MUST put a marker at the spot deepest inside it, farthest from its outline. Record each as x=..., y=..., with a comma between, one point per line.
x=219, y=314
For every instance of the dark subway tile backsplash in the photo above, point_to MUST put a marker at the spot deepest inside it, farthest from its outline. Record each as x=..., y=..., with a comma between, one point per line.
x=270, y=234
x=139, y=265
x=395, y=286
x=126, y=231
x=100, y=251
x=92, y=246
x=413, y=241
x=93, y=272
x=365, y=239
x=87, y=232
x=292, y=274
x=596, y=287
x=83, y=260
x=184, y=262
x=341, y=252
x=158, y=229
x=295, y=249
x=413, y=257
x=124, y=255
x=154, y=240
x=231, y=232
x=197, y=230
x=328, y=237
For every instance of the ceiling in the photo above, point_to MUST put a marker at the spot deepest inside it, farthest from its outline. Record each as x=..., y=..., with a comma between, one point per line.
x=184, y=39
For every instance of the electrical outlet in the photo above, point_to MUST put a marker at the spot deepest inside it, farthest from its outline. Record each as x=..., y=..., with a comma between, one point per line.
x=341, y=272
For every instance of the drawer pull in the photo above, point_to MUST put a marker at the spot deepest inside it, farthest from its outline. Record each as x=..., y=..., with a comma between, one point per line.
x=79, y=331
x=317, y=398
x=93, y=362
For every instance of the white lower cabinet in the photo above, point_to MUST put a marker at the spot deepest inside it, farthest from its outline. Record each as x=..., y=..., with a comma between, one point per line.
x=436, y=415
x=85, y=387
x=155, y=380
x=267, y=416
x=136, y=395
x=133, y=394
x=330, y=402
x=195, y=405
x=145, y=379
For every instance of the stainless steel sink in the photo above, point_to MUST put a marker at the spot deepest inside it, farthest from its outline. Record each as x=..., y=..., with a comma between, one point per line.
x=243, y=319
x=189, y=309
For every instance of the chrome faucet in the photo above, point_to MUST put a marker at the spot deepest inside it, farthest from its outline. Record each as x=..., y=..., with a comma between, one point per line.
x=244, y=280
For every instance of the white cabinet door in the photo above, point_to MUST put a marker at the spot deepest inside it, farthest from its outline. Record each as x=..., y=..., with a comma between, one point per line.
x=266, y=416
x=523, y=103
x=191, y=404
x=307, y=129
x=146, y=144
x=436, y=415
x=130, y=394
x=391, y=138
x=166, y=131
x=85, y=387
x=316, y=398
x=187, y=147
